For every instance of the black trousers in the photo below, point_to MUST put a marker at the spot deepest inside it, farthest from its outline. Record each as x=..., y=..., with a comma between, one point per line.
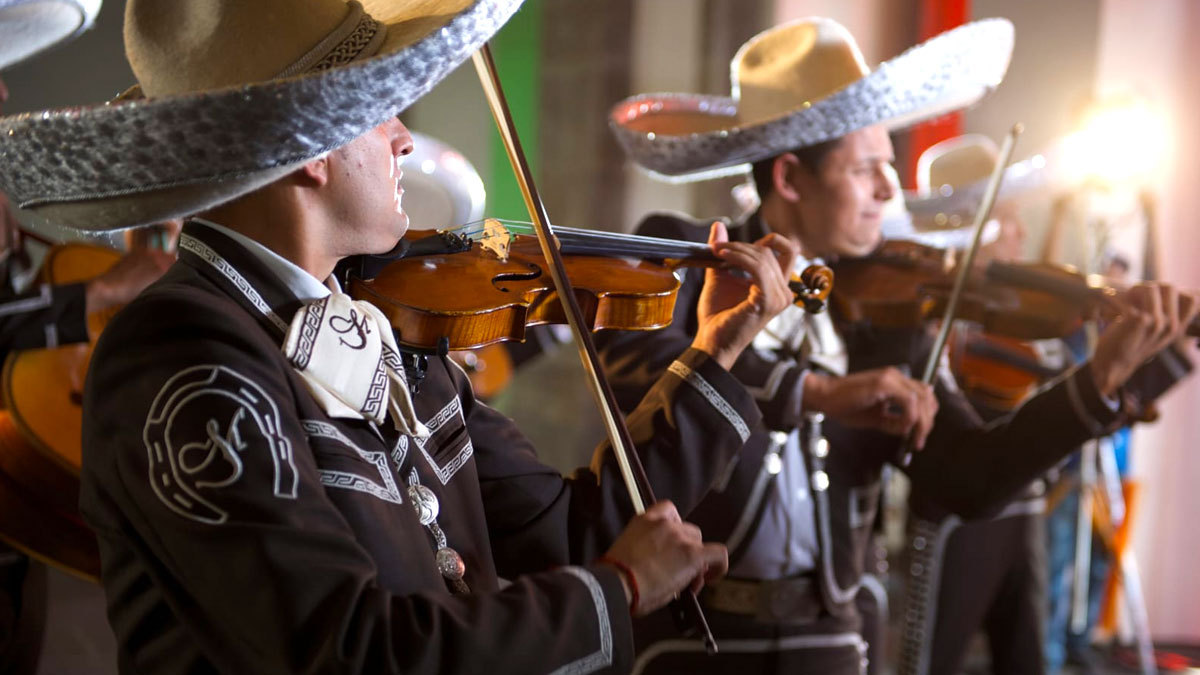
x=22, y=612
x=828, y=647
x=991, y=577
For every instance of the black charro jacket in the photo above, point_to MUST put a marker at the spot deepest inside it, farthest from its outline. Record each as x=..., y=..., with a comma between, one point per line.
x=242, y=530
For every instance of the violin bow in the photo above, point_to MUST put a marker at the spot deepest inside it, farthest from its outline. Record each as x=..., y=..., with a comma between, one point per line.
x=964, y=270
x=632, y=471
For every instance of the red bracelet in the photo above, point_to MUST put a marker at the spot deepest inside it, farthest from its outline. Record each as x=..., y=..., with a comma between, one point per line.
x=629, y=579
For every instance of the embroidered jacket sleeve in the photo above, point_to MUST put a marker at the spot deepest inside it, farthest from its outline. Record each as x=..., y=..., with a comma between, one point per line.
x=223, y=551
x=687, y=429
x=972, y=468
x=45, y=316
x=635, y=359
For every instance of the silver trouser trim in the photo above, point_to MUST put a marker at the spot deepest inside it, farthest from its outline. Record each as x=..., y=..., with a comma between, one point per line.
x=603, y=657
x=920, y=599
x=51, y=336
x=874, y=585
x=838, y=594
x=755, y=646
x=712, y=396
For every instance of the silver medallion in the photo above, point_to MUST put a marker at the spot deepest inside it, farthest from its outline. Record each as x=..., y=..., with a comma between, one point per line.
x=450, y=563
x=425, y=503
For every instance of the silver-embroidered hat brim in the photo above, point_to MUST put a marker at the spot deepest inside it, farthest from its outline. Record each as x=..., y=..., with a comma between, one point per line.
x=119, y=165
x=28, y=27
x=1019, y=178
x=946, y=73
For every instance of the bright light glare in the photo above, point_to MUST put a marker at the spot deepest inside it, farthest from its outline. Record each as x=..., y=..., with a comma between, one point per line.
x=1117, y=143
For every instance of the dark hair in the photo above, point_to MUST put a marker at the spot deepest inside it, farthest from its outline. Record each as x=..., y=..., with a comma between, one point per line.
x=810, y=156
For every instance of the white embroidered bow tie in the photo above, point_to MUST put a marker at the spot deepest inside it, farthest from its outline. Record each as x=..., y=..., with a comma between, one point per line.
x=346, y=354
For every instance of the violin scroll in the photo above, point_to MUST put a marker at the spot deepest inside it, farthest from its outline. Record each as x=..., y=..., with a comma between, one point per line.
x=813, y=287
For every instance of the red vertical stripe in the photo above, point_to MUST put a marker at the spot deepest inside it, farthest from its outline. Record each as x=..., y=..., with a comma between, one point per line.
x=937, y=16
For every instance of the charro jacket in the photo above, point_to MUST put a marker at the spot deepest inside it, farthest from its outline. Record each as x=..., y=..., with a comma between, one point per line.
x=242, y=530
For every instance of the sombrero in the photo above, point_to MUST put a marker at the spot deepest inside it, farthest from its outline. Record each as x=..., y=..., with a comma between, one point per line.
x=952, y=176
x=898, y=223
x=30, y=26
x=441, y=188
x=803, y=83
x=237, y=94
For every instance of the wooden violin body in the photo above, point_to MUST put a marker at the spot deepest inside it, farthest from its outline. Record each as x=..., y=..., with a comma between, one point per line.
x=906, y=284
x=473, y=298
x=465, y=295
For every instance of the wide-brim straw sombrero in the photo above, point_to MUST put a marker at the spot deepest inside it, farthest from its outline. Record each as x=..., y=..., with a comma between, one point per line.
x=31, y=26
x=952, y=176
x=441, y=187
x=898, y=223
x=237, y=94
x=804, y=83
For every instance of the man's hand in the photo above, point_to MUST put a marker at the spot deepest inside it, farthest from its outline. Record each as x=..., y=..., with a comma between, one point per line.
x=666, y=555
x=131, y=275
x=733, y=308
x=1152, y=315
x=883, y=399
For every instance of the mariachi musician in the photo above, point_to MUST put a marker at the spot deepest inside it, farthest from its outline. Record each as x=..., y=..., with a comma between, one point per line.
x=270, y=489
x=796, y=511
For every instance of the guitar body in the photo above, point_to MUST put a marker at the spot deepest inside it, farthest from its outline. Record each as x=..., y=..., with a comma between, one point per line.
x=41, y=431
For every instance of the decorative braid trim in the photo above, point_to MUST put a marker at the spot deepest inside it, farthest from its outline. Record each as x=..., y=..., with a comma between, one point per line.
x=359, y=36
x=714, y=398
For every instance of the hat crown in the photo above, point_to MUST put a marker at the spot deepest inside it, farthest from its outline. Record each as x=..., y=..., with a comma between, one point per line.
x=785, y=67
x=178, y=46
x=956, y=162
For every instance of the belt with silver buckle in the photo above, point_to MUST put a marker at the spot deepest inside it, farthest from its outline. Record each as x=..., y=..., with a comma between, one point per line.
x=791, y=600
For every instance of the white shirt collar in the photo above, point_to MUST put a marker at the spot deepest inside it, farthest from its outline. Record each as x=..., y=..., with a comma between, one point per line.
x=303, y=285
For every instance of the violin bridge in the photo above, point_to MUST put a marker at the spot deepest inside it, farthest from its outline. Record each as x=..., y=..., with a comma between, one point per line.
x=496, y=238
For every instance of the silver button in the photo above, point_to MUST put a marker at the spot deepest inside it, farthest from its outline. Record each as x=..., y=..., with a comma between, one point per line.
x=820, y=481
x=450, y=563
x=424, y=502
x=774, y=464
x=821, y=448
x=918, y=543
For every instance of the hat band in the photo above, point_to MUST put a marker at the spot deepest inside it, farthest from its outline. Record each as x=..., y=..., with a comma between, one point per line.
x=358, y=36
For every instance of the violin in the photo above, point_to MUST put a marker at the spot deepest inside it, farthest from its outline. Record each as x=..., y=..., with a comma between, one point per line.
x=1075, y=295
x=483, y=284
x=996, y=373
x=905, y=284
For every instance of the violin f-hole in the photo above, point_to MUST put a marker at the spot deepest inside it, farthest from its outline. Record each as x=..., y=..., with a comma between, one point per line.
x=534, y=272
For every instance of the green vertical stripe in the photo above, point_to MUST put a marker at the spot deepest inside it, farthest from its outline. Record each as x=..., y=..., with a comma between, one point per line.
x=517, y=49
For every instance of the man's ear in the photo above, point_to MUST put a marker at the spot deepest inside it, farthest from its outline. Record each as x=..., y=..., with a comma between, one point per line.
x=314, y=173
x=784, y=172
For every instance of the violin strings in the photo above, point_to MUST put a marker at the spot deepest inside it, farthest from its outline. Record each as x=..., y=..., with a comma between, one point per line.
x=584, y=241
